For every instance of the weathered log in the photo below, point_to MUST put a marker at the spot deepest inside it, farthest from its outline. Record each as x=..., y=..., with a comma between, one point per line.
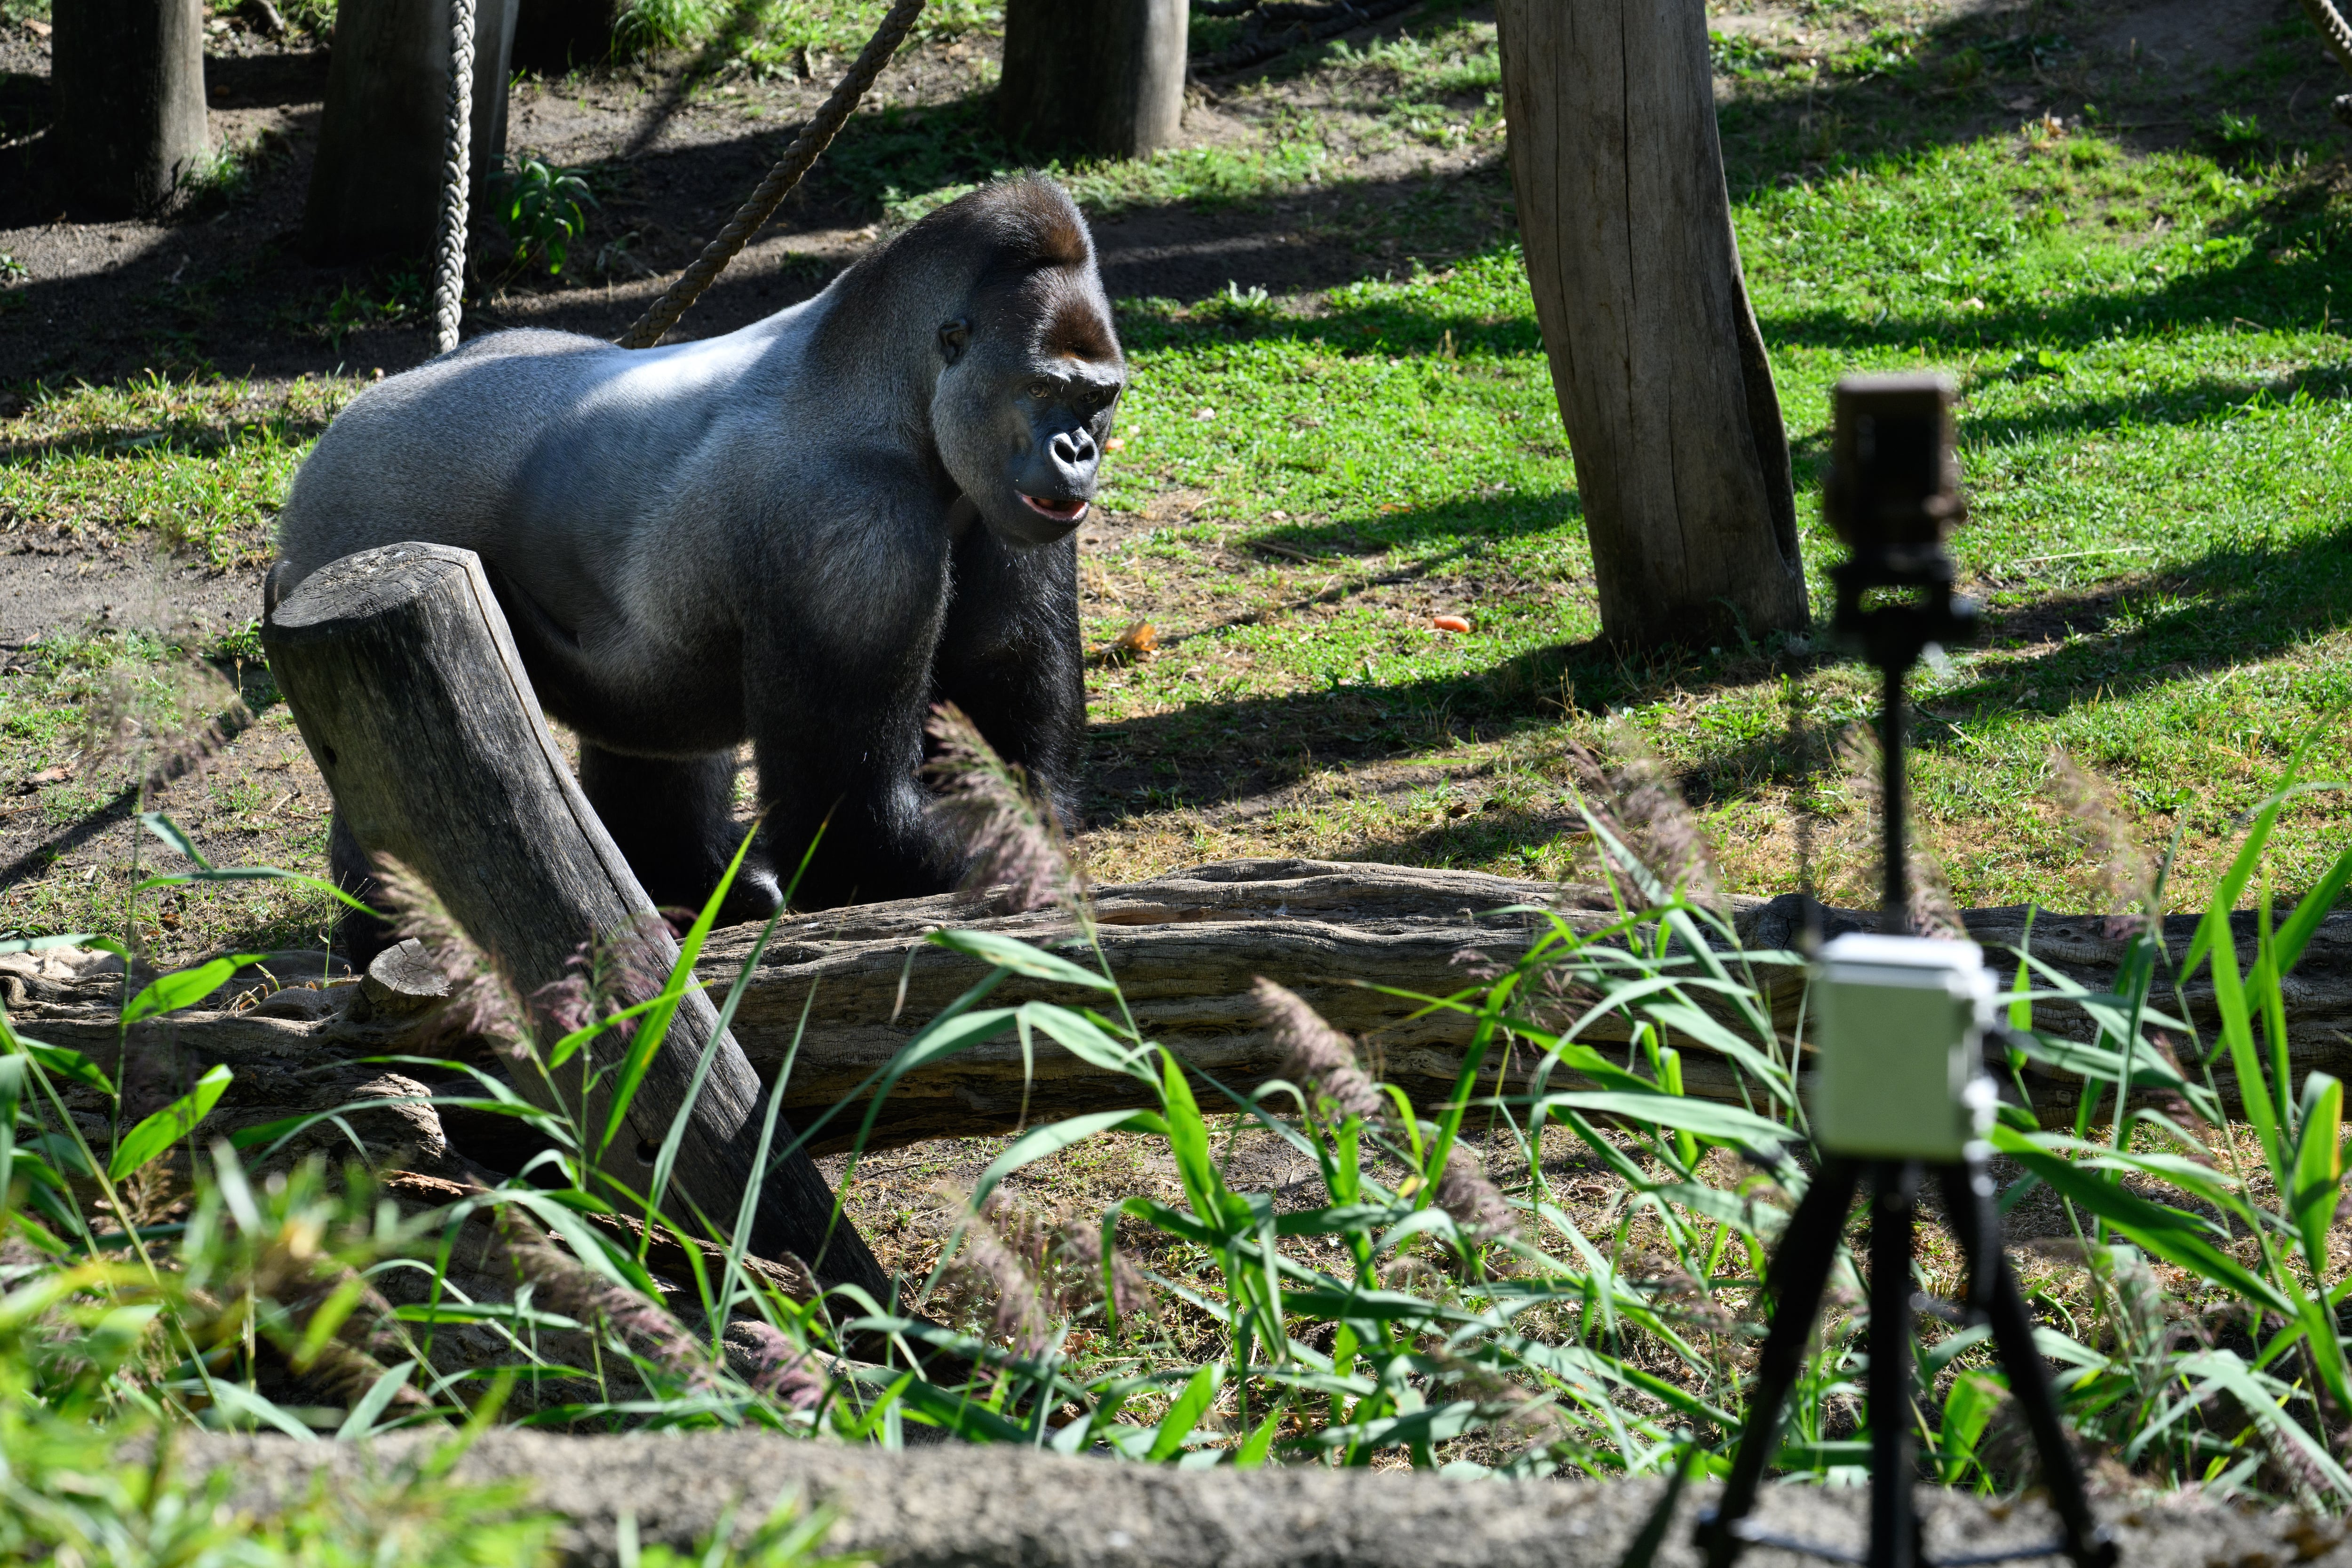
x=1186, y=948
x=1007, y=1507
x=410, y=695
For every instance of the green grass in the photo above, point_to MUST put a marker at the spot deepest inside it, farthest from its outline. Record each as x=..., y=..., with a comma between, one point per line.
x=198, y=465
x=2154, y=436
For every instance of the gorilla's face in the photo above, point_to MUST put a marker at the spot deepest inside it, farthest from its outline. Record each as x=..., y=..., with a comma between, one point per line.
x=1022, y=428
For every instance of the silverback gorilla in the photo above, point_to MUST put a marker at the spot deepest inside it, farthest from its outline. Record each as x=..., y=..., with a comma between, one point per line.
x=802, y=534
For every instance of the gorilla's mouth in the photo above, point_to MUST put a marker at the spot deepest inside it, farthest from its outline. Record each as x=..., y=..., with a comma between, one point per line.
x=1058, y=510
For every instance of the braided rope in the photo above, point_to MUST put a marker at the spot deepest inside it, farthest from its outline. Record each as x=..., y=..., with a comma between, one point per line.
x=449, y=257
x=805, y=151
x=2332, y=28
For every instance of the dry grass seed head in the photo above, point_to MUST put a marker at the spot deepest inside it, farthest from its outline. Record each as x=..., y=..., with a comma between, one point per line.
x=1317, y=1056
x=563, y=1284
x=1008, y=829
x=2127, y=871
x=1861, y=837
x=1000, y=1248
x=167, y=721
x=606, y=975
x=1636, y=802
x=1475, y=1204
x=779, y=1368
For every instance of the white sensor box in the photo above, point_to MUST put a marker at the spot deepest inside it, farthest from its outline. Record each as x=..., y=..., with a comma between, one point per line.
x=1896, y=1021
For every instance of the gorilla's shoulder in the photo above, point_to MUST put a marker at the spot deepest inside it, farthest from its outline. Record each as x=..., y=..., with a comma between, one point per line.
x=525, y=342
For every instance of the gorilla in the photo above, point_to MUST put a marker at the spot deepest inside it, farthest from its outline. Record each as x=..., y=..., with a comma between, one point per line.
x=804, y=533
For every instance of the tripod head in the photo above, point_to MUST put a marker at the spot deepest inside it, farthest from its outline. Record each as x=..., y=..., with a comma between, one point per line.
x=1893, y=496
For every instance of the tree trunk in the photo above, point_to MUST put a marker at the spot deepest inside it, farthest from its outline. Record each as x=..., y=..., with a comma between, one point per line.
x=1104, y=77
x=375, y=188
x=1682, y=463
x=400, y=671
x=128, y=75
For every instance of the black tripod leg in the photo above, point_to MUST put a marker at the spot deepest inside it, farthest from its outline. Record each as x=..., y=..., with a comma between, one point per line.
x=1894, y=1522
x=1800, y=1271
x=2087, y=1541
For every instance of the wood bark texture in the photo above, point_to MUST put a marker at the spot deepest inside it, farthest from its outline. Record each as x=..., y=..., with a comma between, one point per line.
x=129, y=79
x=1005, y=1506
x=1186, y=948
x=1101, y=76
x=1682, y=462
x=410, y=695
x=375, y=188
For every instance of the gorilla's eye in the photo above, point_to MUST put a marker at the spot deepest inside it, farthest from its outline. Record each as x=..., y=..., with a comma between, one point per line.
x=1041, y=389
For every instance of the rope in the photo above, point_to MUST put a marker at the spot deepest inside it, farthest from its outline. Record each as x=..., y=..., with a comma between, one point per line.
x=812, y=141
x=2332, y=28
x=449, y=257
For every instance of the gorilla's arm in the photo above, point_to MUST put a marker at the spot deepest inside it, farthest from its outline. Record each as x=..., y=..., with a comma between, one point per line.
x=837, y=656
x=1011, y=657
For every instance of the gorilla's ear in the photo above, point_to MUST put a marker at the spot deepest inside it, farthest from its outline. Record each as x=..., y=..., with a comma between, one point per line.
x=953, y=336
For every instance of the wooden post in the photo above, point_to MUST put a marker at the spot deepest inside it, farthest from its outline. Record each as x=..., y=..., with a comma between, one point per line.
x=128, y=75
x=1681, y=459
x=375, y=188
x=400, y=671
x=1105, y=76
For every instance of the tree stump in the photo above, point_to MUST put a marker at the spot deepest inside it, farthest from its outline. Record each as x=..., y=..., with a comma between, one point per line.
x=128, y=75
x=376, y=187
x=1105, y=76
x=410, y=695
x=1681, y=459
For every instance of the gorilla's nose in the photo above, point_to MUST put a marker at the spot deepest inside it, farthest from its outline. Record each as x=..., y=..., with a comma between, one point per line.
x=1073, y=451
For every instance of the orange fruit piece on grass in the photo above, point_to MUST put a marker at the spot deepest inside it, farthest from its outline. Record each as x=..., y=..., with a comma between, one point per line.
x=1449, y=623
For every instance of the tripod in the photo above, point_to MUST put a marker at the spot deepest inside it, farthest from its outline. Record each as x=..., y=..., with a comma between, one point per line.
x=1799, y=1275
x=1892, y=494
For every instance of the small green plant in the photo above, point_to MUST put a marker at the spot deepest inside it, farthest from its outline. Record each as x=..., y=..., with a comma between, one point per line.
x=645, y=26
x=397, y=299
x=544, y=209
x=12, y=271
x=2238, y=130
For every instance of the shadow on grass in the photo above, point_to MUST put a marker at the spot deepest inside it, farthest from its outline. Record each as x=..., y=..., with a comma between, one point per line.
x=2237, y=605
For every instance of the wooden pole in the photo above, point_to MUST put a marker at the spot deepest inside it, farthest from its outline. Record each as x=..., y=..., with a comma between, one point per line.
x=129, y=77
x=375, y=188
x=1682, y=462
x=409, y=691
x=1105, y=76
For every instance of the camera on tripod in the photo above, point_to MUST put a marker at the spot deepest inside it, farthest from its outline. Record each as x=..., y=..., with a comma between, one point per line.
x=1898, y=1022
x=1898, y=1019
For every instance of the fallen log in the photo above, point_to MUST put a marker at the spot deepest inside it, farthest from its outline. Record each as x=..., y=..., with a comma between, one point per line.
x=1186, y=948
x=978, y=1507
